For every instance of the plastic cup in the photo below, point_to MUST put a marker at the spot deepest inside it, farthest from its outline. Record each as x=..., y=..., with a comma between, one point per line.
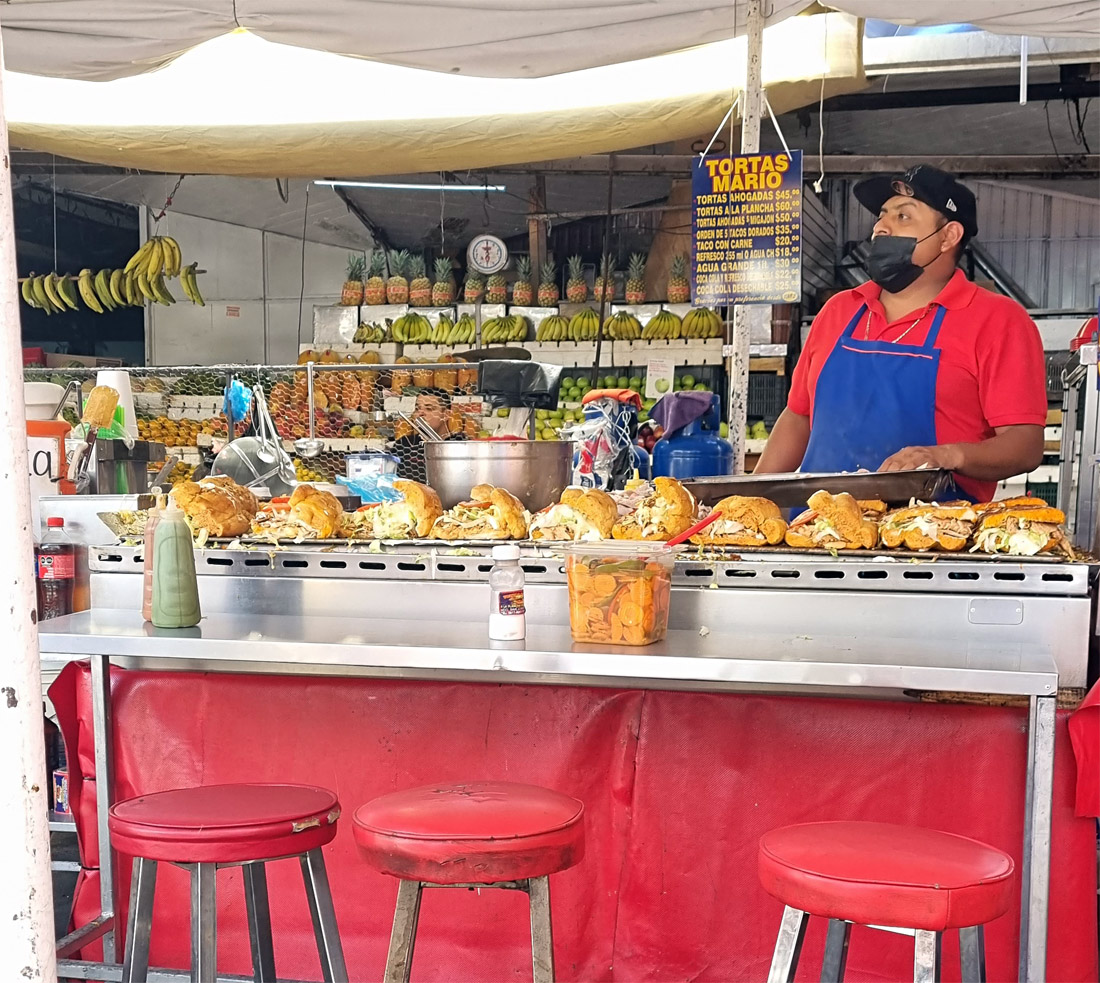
x=119, y=381
x=619, y=591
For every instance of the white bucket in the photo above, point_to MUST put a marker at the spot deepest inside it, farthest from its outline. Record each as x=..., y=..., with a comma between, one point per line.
x=41, y=398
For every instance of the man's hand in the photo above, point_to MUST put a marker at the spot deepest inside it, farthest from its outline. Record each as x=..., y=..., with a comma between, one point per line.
x=949, y=456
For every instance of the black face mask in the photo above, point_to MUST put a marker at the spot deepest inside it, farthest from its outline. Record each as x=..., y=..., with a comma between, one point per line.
x=890, y=263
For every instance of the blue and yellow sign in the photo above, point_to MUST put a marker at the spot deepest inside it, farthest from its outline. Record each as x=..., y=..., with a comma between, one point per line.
x=746, y=225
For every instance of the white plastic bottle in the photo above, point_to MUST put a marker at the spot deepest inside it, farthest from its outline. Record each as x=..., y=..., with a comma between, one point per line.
x=507, y=614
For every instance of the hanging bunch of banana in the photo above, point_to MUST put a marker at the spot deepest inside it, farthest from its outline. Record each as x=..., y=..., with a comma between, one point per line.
x=144, y=278
x=158, y=260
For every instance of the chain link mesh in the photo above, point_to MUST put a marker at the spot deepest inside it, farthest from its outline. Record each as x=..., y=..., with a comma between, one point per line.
x=358, y=409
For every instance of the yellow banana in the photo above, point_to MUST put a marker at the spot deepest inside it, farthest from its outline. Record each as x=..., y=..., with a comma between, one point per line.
x=49, y=282
x=26, y=288
x=189, y=277
x=115, y=286
x=67, y=292
x=39, y=288
x=154, y=262
x=173, y=257
x=103, y=289
x=139, y=257
x=144, y=286
x=160, y=289
x=87, y=291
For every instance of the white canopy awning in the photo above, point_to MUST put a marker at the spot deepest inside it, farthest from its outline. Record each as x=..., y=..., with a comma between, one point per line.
x=241, y=105
x=109, y=39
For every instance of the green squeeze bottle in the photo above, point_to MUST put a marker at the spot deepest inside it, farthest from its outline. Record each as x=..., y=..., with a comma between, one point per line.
x=175, y=584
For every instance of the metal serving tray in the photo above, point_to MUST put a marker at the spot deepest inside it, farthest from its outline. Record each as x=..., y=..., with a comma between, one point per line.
x=792, y=490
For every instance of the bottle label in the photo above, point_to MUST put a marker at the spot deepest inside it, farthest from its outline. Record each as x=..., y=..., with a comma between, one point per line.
x=511, y=602
x=54, y=566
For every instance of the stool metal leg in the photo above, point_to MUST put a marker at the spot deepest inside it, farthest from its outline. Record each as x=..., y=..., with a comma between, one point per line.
x=333, y=969
x=972, y=953
x=259, y=922
x=403, y=937
x=788, y=946
x=836, y=951
x=204, y=923
x=139, y=923
x=542, y=931
x=926, y=957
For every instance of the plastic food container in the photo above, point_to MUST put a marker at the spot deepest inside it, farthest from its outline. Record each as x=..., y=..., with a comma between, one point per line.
x=619, y=591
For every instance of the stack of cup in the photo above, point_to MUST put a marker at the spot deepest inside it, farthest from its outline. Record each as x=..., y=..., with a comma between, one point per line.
x=119, y=380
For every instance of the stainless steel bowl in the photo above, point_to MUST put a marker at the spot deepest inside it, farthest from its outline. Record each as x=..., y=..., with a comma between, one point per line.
x=536, y=472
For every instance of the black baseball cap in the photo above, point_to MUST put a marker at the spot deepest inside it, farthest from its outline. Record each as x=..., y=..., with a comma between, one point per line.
x=937, y=189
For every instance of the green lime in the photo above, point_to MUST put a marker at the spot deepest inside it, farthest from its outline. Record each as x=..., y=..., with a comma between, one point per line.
x=635, y=383
x=503, y=411
x=622, y=382
x=700, y=387
x=723, y=430
x=687, y=381
x=567, y=382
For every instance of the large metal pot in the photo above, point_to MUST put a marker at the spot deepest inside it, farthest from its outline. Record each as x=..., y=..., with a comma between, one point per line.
x=536, y=472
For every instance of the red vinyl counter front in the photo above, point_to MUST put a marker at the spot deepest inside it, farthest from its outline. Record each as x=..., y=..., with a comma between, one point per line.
x=678, y=787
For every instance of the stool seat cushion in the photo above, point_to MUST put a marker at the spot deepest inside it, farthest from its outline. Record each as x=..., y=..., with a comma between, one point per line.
x=476, y=833
x=225, y=823
x=881, y=874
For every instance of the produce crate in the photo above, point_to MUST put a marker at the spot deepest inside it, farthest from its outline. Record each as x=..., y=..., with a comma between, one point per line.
x=705, y=351
x=388, y=352
x=334, y=325
x=767, y=396
x=572, y=353
x=1046, y=490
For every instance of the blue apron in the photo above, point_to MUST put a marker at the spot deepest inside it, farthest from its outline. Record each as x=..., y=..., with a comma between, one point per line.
x=872, y=399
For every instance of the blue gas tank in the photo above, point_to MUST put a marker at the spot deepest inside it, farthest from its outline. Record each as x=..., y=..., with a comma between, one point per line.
x=695, y=450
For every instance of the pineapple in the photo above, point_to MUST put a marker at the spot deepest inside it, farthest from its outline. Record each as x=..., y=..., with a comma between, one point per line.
x=679, y=287
x=397, y=287
x=374, y=290
x=420, y=289
x=496, y=289
x=352, y=294
x=635, y=283
x=443, y=290
x=576, y=290
x=523, y=293
x=474, y=289
x=605, y=282
x=548, y=285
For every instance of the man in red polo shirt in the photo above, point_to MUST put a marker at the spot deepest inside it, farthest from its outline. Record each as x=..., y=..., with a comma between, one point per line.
x=919, y=367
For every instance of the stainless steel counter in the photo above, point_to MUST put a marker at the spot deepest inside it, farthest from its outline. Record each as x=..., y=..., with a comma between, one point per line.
x=422, y=649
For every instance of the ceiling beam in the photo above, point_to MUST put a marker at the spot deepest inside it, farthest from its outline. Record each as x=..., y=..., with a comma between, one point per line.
x=973, y=95
x=836, y=165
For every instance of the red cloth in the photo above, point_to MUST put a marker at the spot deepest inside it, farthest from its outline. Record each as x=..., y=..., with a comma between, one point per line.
x=1084, y=733
x=677, y=789
x=992, y=367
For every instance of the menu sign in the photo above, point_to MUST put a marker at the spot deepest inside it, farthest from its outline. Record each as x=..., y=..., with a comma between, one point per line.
x=746, y=227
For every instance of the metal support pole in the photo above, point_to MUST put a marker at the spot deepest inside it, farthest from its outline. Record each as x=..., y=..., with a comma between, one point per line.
x=1035, y=876
x=105, y=782
x=737, y=363
x=26, y=938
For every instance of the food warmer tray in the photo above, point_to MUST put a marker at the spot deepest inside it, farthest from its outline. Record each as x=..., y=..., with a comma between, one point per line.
x=792, y=490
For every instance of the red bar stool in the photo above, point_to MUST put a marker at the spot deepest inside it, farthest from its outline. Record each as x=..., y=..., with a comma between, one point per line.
x=205, y=829
x=916, y=881
x=481, y=834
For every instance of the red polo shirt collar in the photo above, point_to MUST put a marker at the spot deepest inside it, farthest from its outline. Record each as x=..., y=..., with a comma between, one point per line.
x=957, y=293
